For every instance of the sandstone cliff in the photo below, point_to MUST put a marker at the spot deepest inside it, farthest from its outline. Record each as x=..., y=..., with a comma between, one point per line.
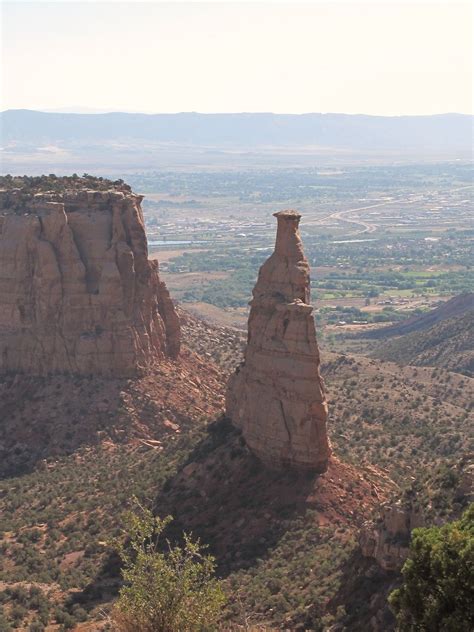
x=77, y=291
x=387, y=541
x=277, y=396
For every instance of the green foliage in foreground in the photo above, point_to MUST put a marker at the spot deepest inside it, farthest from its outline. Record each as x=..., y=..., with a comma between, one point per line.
x=165, y=591
x=438, y=579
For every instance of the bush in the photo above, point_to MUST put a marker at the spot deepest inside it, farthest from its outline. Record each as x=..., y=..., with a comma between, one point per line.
x=164, y=591
x=437, y=594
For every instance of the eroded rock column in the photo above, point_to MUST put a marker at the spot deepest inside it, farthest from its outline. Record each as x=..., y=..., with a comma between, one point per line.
x=277, y=396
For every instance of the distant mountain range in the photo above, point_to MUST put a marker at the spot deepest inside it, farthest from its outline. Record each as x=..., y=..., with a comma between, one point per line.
x=443, y=133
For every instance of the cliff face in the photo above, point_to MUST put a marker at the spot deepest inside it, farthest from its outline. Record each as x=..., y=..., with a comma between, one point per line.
x=277, y=396
x=445, y=493
x=387, y=541
x=77, y=292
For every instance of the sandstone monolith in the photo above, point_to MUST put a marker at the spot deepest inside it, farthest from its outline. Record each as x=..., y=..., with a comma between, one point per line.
x=277, y=396
x=77, y=291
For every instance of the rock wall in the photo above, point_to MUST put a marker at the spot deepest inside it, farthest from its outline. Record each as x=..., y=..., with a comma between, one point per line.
x=77, y=291
x=277, y=396
x=430, y=502
x=387, y=541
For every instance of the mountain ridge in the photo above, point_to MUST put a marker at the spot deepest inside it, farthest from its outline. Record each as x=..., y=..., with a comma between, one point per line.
x=455, y=307
x=448, y=343
x=438, y=132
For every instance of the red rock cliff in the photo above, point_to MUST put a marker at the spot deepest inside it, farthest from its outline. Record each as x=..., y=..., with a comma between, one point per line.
x=77, y=291
x=277, y=396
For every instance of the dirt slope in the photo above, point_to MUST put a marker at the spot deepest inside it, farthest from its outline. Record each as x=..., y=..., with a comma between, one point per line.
x=448, y=344
x=285, y=543
x=455, y=307
x=44, y=418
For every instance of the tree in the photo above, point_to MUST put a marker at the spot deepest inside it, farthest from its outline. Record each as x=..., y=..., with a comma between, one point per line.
x=165, y=590
x=437, y=594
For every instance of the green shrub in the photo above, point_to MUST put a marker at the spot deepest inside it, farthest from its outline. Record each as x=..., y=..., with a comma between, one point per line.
x=437, y=594
x=164, y=591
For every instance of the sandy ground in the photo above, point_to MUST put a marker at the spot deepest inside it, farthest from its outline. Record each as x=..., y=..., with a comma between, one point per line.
x=223, y=317
x=359, y=302
x=178, y=283
x=167, y=255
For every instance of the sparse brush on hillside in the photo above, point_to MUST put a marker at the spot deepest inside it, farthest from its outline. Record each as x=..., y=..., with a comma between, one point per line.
x=52, y=182
x=449, y=344
x=55, y=519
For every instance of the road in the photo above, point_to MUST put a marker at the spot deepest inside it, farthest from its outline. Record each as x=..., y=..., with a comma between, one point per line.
x=339, y=215
x=366, y=227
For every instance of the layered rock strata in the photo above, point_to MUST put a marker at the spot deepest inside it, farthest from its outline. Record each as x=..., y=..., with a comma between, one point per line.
x=277, y=396
x=77, y=291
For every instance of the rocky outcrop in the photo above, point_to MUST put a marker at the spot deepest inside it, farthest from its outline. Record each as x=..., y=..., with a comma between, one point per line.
x=77, y=291
x=277, y=396
x=387, y=540
x=427, y=502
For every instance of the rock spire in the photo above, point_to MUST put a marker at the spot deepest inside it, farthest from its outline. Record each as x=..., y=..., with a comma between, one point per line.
x=77, y=291
x=277, y=396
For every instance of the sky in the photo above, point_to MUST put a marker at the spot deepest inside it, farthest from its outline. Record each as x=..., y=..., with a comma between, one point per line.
x=386, y=58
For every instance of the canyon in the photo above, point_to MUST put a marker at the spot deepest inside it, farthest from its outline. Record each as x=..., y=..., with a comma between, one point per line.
x=130, y=395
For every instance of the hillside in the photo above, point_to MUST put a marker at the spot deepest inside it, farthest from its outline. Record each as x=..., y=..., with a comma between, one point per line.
x=454, y=308
x=438, y=495
x=110, y=395
x=46, y=418
x=389, y=416
x=448, y=343
x=279, y=537
x=57, y=518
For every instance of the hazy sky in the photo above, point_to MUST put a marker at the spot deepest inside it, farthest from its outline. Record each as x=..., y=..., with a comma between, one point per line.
x=374, y=57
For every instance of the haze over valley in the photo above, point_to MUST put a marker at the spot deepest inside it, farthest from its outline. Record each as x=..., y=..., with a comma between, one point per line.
x=237, y=330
